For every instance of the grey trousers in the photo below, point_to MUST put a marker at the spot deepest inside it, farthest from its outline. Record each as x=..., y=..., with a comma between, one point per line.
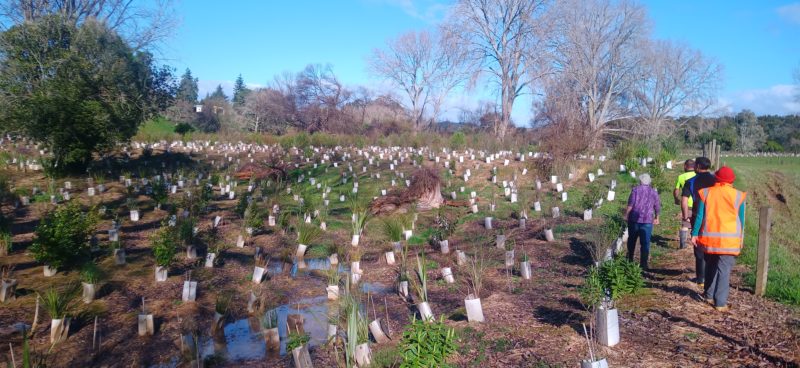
x=718, y=277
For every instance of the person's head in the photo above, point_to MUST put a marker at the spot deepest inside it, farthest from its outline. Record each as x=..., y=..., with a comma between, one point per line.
x=688, y=165
x=725, y=175
x=645, y=179
x=702, y=164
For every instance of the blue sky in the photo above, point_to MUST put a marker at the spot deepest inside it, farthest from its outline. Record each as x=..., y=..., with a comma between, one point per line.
x=756, y=41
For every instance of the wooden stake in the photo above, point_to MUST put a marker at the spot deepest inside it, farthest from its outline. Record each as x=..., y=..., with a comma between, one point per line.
x=13, y=361
x=762, y=263
x=386, y=309
x=35, y=317
x=94, y=334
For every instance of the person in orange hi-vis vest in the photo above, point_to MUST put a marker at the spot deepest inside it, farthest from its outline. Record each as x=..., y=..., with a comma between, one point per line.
x=719, y=232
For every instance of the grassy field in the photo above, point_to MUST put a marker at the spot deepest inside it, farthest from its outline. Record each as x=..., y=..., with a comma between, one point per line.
x=773, y=182
x=156, y=128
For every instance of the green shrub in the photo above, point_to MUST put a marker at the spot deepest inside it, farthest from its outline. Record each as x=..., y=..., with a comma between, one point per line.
x=457, y=140
x=62, y=237
x=183, y=128
x=185, y=230
x=427, y=344
x=592, y=194
x=241, y=206
x=159, y=192
x=615, y=279
x=165, y=244
x=90, y=273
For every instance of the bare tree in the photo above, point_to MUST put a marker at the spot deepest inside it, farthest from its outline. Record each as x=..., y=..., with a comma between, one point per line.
x=142, y=23
x=595, y=44
x=674, y=80
x=266, y=110
x=424, y=67
x=499, y=35
x=320, y=96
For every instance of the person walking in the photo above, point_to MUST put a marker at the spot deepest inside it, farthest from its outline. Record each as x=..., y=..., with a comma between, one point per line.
x=688, y=173
x=718, y=232
x=703, y=179
x=644, y=206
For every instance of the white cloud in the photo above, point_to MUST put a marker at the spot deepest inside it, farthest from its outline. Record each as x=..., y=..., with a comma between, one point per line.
x=778, y=99
x=429, y=11
x=790, y=12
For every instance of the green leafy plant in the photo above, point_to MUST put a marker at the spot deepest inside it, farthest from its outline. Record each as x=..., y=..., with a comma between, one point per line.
x=58, y=303
x=297, y=340
x=165, y=245
x=591, y=196
x=307, y=233
x=443, y=226
x=242, y=205
x=185, y=230
x=62, y=237
x=159, y=192
x=90, y=273
x=420, y=285
x=333, y=276
x=5, y=243
x=253, y=217
x=615, y=279
x=427, y=344
x=392, y=228
x=359, y=221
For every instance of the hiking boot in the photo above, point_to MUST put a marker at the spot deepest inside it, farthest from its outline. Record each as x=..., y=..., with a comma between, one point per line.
x=701, y=286
x=723, y=308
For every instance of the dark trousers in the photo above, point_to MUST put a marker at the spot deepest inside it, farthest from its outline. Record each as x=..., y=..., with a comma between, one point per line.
x=718, y=278
x=699, y=265
x=642, y=232
x=699, y=261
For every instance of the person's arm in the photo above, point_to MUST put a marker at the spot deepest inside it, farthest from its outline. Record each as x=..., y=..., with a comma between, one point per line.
x=676, y=193
x=656, y=207
x=685, y=195
x=631, y=200
x=741, y=218
x=698, y=221
x=684, y=208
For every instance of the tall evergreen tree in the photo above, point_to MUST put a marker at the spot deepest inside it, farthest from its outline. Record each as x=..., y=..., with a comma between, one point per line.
x=218, y=94
x=187, y=90
x=240, y=92
x=77, y=90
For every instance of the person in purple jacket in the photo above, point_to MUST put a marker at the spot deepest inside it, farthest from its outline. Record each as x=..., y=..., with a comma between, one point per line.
x=644, y=205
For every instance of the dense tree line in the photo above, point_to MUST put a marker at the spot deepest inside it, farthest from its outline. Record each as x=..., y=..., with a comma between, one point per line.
x=745, y=132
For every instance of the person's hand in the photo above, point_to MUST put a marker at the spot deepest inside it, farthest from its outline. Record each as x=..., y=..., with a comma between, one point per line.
x=655, y=221
x=694, y=241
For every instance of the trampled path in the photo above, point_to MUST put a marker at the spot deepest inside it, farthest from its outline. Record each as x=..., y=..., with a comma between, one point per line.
x=667, y=325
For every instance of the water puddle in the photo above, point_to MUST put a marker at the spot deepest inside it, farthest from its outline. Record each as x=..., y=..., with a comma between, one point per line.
x=306, y=266
x=376, y=288
x=243, y=339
